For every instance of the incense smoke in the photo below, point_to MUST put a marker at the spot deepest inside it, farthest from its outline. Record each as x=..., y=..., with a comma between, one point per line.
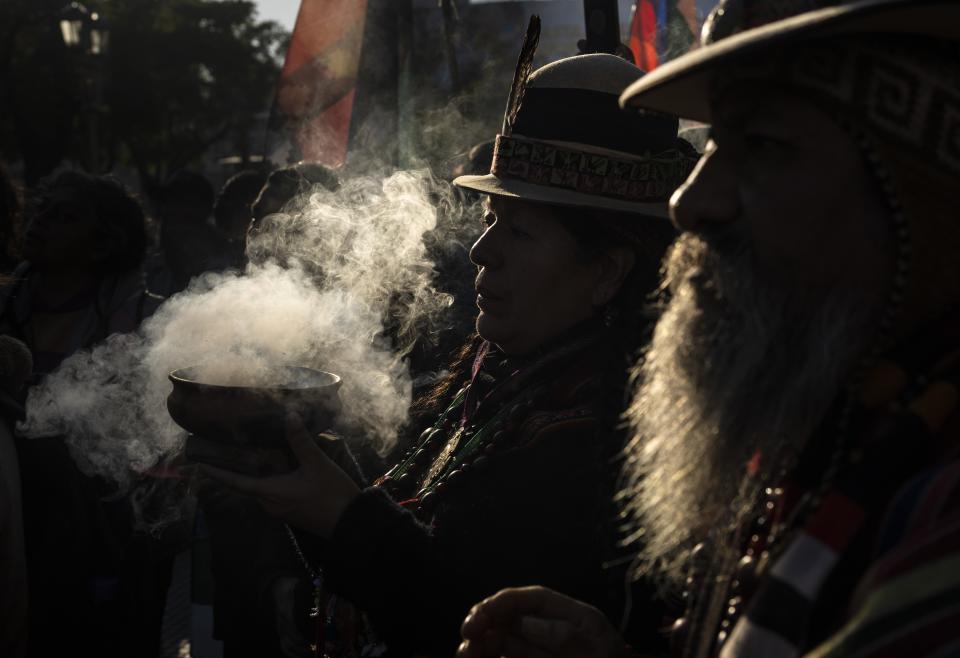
x=356, y=289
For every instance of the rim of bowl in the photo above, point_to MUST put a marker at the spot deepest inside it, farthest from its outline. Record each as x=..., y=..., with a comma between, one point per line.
x=178, y=376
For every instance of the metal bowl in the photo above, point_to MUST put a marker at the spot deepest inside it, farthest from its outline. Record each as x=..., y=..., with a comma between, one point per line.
x=253, y=415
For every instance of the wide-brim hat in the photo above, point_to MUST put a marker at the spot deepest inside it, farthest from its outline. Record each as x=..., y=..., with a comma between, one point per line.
x=565, y=141
x=681, y=87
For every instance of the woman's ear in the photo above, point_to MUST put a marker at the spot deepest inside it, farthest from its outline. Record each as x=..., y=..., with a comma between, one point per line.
x=615, y=266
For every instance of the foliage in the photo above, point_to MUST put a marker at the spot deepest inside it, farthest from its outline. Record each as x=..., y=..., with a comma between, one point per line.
x=179, y=75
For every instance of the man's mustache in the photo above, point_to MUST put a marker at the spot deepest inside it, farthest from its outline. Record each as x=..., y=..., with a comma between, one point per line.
x=707, y=260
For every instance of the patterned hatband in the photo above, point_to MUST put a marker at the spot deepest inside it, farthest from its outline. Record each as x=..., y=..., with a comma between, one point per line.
x=905, y=90
x=651, y=178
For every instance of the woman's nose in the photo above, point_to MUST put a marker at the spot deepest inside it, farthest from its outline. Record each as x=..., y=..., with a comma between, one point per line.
x=485, y=252
x=709, y=197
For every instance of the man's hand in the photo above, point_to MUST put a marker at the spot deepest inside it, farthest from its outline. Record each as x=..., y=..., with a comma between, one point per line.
x=535, y=622
x=312, y=497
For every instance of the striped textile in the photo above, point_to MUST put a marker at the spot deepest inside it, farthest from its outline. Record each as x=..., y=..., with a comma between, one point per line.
x=777, y=617
x=908, y=603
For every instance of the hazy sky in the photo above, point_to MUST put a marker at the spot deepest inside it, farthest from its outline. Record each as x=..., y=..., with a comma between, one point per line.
x=281, y=11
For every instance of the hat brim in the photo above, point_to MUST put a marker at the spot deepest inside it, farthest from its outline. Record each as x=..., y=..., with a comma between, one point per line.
x=505, y=187
x=682, y=87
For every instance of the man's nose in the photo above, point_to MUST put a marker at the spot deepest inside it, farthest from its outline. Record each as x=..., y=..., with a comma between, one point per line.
x=709, y=197
x=484, y=252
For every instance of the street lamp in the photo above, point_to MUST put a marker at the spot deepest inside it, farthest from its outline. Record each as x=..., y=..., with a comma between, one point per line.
x=87, y=33
x=99, y=34
x=72, y=19
x=84, y=30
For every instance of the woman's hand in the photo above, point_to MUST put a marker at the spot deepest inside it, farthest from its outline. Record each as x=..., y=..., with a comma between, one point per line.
x=536, y=622
x=312, y=497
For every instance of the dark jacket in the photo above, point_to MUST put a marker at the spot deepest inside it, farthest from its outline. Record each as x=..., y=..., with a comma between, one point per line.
x=532, y=506
x=119, y=305
x=13, y=567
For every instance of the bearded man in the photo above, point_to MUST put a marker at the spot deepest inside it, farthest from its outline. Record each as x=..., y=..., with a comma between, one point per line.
x=793, y=471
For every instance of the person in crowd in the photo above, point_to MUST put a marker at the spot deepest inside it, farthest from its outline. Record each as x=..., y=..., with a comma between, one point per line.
x=283, y=186
x=9, y=222
x=189, y=244
x=81, y=281
x=475, y=161
x=15, y=368
x=794, y=463
x=510, y=483
x=232, y=210
x=256, y=584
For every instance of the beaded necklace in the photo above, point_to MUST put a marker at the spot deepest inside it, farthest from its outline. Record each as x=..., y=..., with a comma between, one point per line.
x=453, y=448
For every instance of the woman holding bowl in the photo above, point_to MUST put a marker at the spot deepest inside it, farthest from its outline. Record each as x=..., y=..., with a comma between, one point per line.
x=513, y=482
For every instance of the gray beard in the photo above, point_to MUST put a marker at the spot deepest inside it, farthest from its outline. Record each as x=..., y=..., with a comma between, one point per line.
x=737, y=366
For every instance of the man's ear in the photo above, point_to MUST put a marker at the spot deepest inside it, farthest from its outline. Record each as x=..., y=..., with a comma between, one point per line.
x=615, y=266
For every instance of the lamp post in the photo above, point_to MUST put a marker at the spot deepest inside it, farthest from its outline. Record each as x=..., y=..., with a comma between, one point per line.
x=87, y=34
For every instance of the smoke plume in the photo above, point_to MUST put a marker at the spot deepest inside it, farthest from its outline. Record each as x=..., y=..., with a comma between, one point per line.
x=347, y=286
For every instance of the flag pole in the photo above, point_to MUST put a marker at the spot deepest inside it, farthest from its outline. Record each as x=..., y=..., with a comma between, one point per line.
x=450, y=18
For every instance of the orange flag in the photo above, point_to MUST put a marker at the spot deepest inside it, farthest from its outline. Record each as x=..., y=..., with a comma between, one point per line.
x=319, y=78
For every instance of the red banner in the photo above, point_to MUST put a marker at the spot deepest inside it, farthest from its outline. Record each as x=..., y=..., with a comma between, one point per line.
x=643, y=35
x=319, y=78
